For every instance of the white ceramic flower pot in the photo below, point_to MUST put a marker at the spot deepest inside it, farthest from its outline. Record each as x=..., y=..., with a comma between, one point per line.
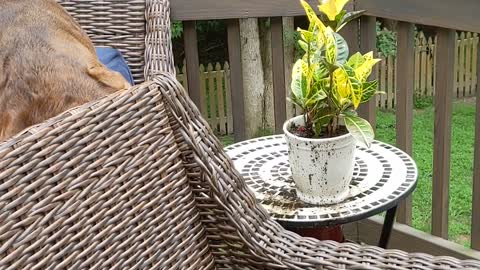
x=321, y=168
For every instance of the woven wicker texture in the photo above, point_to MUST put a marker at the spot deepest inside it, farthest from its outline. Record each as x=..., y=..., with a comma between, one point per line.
x=137, y=180
x=138, y=28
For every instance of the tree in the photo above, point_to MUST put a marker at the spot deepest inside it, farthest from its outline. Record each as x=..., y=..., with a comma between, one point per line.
x=253, y=77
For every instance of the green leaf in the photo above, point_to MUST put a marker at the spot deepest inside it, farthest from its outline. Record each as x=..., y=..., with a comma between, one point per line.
x=320, y=122
x=342, y=49
x=356, y=60
x=331, y=50
x=306, y=35
x=360, y=128
x=350, y=16
x=347, y=85
x=364, y=70
x=303, y=45
x=332, y=8
x=312, y=17
x=320, y=72
x=299, y=82
x=315, y=98
x=369, y=90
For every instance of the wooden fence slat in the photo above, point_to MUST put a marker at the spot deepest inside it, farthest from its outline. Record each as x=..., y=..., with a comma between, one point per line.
x=278, y=69
x=425, y=77
x=461, y=62
x=476, y=168
x=228, y=97
x=442, y=130
x=475, y=64
x=423, y=65
x=179, y=75
x=434, y=52
x=457, y=67
x=184, y=77
x=429, y=75
x=203, y=92
x=368, y=34
x=468, y=64
x=212, y=98
x=220, y=74
x=191, y=56
x=391, y=91
x=377, y=71
x=395, y=63
x=383, y=85
x=417, y=67
x=236, y=79
x=404, y=103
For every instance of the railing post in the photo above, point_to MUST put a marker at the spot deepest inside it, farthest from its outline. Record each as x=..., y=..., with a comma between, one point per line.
x=442, y=131
x=278, y=69
x=191, y=55
x=368, y=42
x=236, y=79
x=476, y=168
x=404, y=102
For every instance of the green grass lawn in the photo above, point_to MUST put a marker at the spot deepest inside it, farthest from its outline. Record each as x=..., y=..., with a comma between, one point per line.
x=461, y=171
x=461, y=166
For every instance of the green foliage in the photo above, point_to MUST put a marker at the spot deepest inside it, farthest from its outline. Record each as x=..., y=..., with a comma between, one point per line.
x=422, y=102
x=177, y=29
x=326, y=84
x=386, y=41
x=202, y=27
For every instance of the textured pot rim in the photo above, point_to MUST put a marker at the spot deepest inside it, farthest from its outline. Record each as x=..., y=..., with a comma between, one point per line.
x=285, y=130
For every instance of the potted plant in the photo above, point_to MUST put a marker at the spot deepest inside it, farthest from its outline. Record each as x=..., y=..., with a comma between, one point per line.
x=328, y=86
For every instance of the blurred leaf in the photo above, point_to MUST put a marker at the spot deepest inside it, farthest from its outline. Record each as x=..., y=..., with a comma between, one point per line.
x=342, y=49
x=369, y=90
x=312, y=17
x=332, y=8
x=299, y=82
x=330, y=46
x=348, y=17
x=360, y=128
x=356, y=60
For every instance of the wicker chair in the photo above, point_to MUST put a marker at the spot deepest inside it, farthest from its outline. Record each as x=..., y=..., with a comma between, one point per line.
x=137, y=180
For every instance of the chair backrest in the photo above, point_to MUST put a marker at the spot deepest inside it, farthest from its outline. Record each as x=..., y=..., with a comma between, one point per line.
x=102, y=186
x=139, y=29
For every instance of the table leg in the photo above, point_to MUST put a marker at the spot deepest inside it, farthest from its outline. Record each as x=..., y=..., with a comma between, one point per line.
x=387, y=227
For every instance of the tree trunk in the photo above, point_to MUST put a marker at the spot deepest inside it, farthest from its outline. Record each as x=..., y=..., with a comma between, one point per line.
x=252, y=76
x=268, y=116
x=289, y=58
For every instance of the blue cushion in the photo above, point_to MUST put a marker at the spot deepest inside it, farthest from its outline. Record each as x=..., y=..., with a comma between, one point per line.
x=114, y=60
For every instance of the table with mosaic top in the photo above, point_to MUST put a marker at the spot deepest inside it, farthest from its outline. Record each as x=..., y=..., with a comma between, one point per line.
x=383, y=176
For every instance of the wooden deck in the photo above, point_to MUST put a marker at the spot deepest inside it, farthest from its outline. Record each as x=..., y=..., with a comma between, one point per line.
x=444, y=16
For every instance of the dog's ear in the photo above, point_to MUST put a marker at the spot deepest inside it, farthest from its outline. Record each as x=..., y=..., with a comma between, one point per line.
x=110, y=79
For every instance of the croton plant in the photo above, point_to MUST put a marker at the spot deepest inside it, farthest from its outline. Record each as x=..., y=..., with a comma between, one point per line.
x=327, y=84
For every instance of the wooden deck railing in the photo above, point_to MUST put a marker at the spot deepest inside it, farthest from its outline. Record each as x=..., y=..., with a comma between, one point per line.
x=444, y=16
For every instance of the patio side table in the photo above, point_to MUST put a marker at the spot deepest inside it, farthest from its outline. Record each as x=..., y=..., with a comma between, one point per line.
x=383, y=176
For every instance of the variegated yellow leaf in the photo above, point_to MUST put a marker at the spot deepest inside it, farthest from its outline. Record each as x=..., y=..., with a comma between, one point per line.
x=364, y=70
x=332, y=8
x=330, y=45
x=343, y=85
x=312, y=17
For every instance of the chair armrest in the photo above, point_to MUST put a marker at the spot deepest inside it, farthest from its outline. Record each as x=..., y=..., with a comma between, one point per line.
x=250, y=237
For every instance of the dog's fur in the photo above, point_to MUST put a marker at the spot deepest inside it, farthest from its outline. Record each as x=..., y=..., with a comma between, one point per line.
x=47, y=65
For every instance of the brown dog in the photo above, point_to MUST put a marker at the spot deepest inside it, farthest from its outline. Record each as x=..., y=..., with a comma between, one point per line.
x=47, y=65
